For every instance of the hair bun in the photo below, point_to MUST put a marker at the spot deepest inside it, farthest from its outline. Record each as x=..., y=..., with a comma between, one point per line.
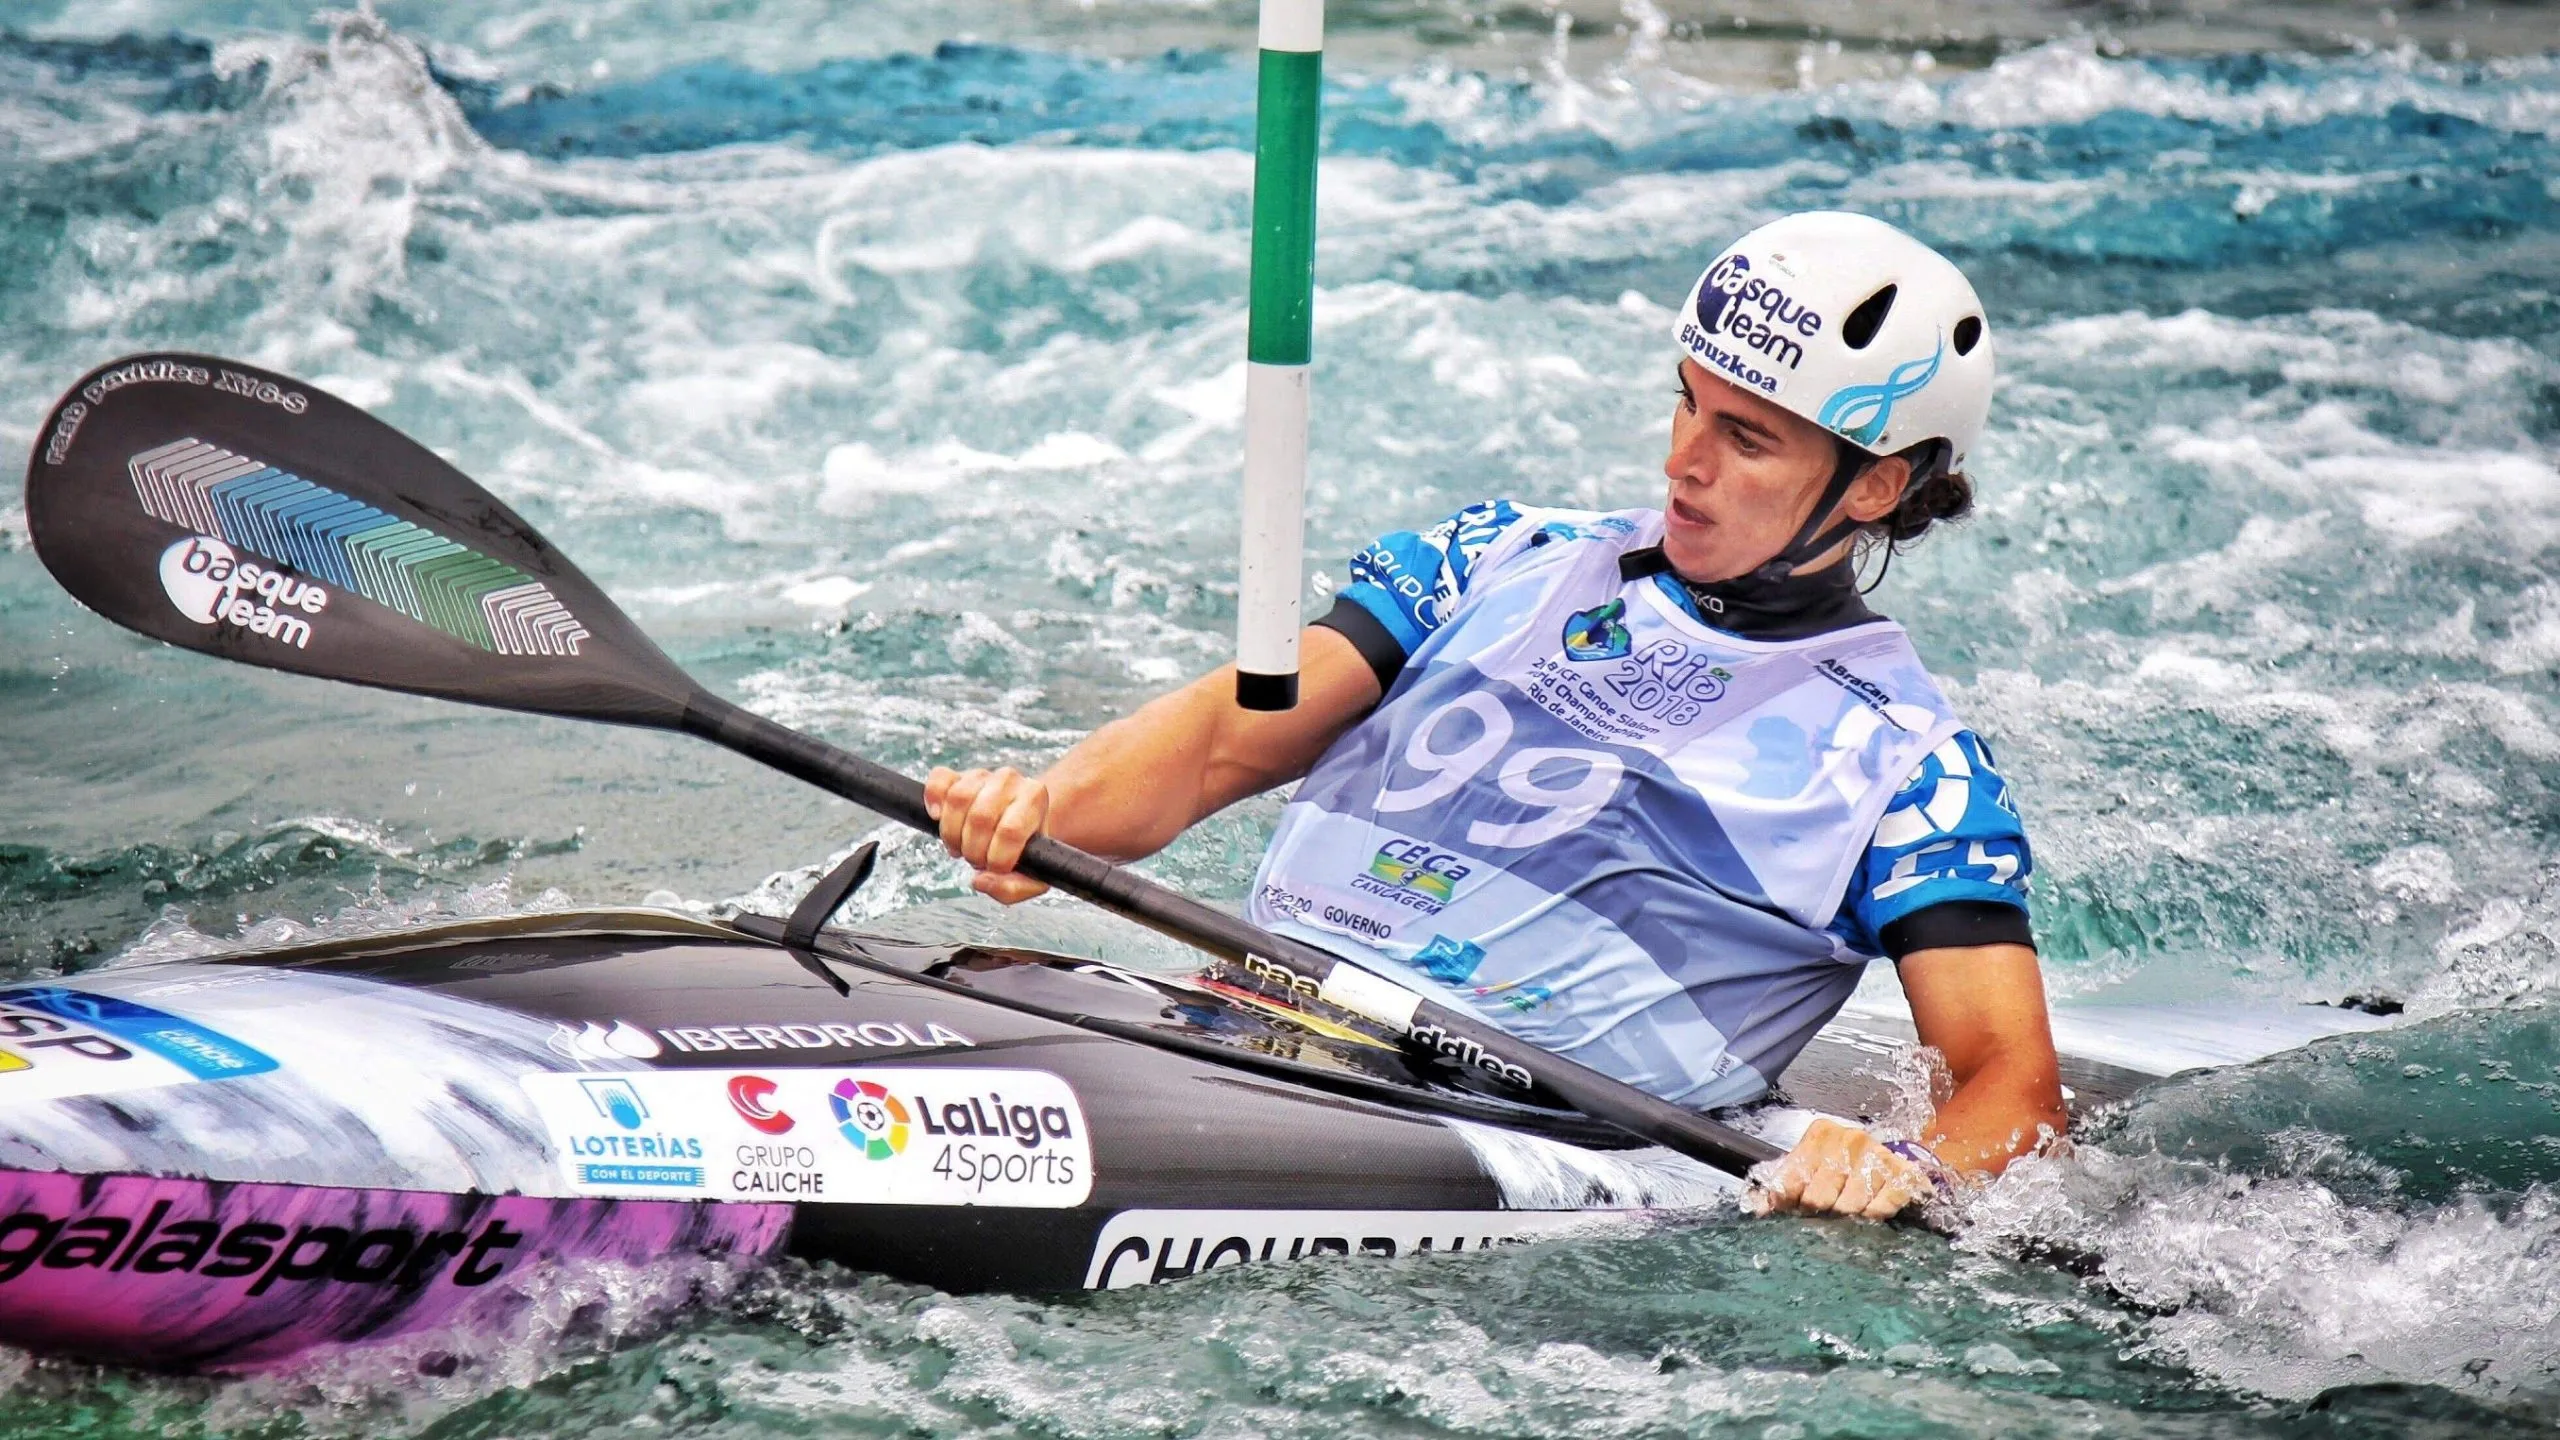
x=1944, y=495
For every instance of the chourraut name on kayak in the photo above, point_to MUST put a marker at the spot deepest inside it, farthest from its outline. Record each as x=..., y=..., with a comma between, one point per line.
x=876, y=1135
x=1152, y=1247
x=623, y=1040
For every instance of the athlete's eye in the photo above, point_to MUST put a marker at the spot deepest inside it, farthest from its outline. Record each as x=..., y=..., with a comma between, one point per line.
x=1744, y=441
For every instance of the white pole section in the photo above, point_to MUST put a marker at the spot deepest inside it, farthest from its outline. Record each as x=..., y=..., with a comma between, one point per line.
x=1280, y=340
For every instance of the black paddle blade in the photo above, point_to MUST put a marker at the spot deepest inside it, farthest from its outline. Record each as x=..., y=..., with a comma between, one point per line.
x=247, y=515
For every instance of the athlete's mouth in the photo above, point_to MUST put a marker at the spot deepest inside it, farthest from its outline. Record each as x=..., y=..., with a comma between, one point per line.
x=1686, y=515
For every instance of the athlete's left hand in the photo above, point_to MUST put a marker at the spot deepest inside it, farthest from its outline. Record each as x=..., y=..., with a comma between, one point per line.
x=1837, y=1169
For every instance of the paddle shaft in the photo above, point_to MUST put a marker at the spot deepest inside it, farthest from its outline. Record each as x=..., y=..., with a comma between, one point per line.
x=169, y=487
x=1301, y=967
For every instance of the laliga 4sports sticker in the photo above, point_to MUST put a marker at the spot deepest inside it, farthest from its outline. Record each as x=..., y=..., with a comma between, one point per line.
x=57, y=1042
x=874, y=1135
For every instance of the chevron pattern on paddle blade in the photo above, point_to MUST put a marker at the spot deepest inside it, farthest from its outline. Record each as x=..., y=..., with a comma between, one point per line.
x=382, y=559
x=396, y=563
x=172, y=480
x=530, y=620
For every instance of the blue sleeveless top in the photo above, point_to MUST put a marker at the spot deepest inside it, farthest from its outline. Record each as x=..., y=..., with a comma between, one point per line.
x=1587, y=816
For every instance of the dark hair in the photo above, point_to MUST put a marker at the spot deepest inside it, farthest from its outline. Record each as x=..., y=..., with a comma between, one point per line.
x=1935, y=493
x=1940, y=495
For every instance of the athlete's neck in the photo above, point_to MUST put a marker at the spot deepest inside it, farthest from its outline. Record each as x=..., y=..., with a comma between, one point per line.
x=1805, y=603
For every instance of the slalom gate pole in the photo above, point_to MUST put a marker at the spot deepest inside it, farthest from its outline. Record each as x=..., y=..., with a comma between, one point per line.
x=1280, y=336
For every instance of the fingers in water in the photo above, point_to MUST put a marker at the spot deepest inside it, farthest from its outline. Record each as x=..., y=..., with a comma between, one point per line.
x=1890, y=1201
x=1855, y=1194
x=1836, y=1169
x=1778, y=1184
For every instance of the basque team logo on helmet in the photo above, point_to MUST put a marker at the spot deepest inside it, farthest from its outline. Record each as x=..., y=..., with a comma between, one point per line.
x=1853, y=325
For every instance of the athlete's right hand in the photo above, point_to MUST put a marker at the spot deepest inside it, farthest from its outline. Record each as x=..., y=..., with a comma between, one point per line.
x=987, y=816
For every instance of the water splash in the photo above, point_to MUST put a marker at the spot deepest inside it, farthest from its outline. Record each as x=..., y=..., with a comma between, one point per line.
x=2373, y=1209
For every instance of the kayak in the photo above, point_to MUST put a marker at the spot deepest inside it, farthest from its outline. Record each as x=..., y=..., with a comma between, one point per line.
x=224, y=1163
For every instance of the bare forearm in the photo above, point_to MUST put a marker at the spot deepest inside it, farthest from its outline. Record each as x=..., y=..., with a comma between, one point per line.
x=1983, y=1007
x=1126, y=790
x=2004, y=1110
x=1129, y=788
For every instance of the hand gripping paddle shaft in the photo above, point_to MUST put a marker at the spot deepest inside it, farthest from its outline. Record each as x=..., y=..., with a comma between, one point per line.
x=244, y=514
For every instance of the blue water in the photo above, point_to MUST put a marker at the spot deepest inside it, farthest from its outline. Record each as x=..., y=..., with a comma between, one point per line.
x=886, y=362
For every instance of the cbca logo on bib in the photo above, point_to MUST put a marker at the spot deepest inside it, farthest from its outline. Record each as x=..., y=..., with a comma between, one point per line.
x=210, y=584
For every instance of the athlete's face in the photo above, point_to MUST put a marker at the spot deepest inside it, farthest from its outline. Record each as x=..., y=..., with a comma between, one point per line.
x=1745, y=473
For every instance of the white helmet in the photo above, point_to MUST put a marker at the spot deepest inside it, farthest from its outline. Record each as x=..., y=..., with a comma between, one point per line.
x=1851, y=324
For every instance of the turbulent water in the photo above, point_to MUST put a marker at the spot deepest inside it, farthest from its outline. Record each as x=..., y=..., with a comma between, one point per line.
x=885, y=360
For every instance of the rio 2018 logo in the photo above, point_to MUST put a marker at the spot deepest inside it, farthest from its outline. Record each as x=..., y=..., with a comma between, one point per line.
x=1669, y=681
x=874, y=1120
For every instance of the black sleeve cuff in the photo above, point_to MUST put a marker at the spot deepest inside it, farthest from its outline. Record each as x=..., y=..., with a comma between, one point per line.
x=1352, y=621
x=1957, y=923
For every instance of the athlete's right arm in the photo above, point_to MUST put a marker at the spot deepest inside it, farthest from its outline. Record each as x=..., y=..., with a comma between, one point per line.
x=1126, y=790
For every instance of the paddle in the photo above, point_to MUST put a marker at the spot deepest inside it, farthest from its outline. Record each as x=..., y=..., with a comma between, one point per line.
x=243, y=514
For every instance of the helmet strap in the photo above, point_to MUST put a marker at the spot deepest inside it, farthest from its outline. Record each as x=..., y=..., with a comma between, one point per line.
x=1812, y=541
x=1928, y=459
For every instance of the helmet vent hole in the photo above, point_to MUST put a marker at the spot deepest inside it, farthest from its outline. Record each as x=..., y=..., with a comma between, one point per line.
x=1859, y=330
x=1968, y=334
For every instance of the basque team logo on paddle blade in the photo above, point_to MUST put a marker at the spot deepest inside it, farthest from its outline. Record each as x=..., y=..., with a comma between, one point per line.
x=872, y=1118
x=307, y=533
x=244, y=514
x=1596, y=634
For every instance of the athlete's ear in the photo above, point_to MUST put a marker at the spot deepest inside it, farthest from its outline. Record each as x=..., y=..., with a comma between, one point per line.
x=1877, y=489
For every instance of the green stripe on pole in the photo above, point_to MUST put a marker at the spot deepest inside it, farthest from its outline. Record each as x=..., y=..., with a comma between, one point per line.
x=1281, y=330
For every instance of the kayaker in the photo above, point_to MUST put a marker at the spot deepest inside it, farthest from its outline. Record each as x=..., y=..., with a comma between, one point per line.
x=1650, y=787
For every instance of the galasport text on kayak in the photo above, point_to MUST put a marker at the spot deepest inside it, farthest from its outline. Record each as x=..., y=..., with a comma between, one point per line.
x=254, y=1250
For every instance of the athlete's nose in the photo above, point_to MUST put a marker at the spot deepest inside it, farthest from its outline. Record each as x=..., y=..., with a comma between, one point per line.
x=1692, y=458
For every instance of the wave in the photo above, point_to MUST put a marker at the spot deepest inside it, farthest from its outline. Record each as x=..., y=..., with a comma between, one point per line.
x=998, y=94
x=2365, y=1211
x=2193, y=163
x=72, y=911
